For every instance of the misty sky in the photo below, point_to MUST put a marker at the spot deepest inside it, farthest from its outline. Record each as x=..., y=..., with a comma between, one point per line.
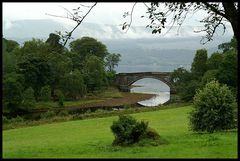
x=102, y=13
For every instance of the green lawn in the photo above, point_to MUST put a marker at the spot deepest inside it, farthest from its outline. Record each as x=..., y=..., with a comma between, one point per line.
x=92, y=138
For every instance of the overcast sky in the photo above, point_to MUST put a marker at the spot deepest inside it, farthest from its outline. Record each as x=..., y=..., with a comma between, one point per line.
x=102, y=13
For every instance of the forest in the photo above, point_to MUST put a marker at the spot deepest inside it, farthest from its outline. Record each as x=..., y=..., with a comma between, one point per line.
x=47, y=71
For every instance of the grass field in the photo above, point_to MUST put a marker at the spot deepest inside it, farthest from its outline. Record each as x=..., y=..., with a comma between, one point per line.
x=92, y=138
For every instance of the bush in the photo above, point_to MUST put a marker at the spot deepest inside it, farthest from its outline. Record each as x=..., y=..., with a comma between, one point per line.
x=63, y=113
x=213, y=109
x=45, y=93
x=151, y=134
x=28, y=102
x=5, y=120
x=47, y=115
x=127, y=130
x=60, y=97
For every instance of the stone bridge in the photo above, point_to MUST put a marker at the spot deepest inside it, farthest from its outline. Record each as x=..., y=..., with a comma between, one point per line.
x=125, y=80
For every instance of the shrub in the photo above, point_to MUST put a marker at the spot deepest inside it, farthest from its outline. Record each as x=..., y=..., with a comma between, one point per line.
x=16, y=119
x=45, y=93
x=60, y=97
x=127, y=130
x=213, y=108
x=5, y=120
x=47, y=115
x=152, y=134
x=63, y=113
x=28, y=102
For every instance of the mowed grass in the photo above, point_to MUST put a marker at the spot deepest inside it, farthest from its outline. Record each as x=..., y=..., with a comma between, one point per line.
x=92, y=138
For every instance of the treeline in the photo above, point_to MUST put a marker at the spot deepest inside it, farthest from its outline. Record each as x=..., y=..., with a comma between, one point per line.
x=220, y=66
x=44, y=71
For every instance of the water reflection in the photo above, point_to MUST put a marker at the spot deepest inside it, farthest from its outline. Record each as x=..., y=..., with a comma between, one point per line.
x=152, y=86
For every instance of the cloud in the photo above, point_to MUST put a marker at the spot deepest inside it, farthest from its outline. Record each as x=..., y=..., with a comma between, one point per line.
x=7, y=24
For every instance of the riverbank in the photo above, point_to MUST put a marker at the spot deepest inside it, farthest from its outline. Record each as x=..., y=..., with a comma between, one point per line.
x=63, y=116
x=110, y=98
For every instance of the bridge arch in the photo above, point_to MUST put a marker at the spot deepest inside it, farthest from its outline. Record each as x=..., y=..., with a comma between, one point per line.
x=124, y=80
x=153, y=77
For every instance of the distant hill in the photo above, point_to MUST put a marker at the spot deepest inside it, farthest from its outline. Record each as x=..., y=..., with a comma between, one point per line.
x=140, y=50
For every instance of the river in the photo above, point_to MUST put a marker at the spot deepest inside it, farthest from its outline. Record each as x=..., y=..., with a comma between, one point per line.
x=152, y=86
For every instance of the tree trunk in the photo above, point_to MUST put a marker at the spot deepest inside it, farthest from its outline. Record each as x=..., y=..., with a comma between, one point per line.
x=232, y=16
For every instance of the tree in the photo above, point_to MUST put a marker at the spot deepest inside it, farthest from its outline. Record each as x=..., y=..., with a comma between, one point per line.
x=215, y=60
x=60, y=97
x=84, y=47
x=232, y=45
x=37, y=73
x=28, y=101
x=213, y=108
x=199, y=66
x=45, y=93
x=209, y=76
x=9, y=45
x=72, y=85
x=54, y=42
x=59, y=64
x=12, y=94
x=95, y=76
x=227, y=72
x=111, y=61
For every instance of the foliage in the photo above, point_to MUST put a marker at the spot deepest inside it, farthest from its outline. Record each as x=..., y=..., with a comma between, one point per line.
x=152, y=134
x=219, y=66
x=214, y=61
x=188, y=89
x=213, y=108
x=94, y=73
x=209, y=76
x=185, y=83
x=28, y=102
x=60, y=97
x=12, y=93
x=180, y=75
x=60, y=64
x=111, y=77
x=54, y=42
x=45, y=93
x=227, y=72
x=9, y=58
x=63, y=113
x=127, y=130
x=111, y=61
x=227, y=46
x=37, y=73
x=47, y=66
x=47, y=115
x=72, y=85
x=9, y=45
x=84, y=47
x=199, y=66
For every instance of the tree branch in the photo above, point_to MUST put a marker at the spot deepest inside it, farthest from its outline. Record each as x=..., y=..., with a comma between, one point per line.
x=75, y=18
x=70, y=33
x=215, y=10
